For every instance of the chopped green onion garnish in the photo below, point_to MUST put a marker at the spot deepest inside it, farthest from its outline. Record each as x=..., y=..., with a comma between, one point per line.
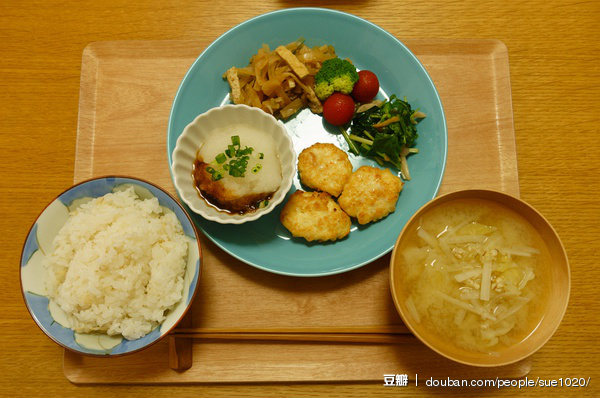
x=239, y=158
x=245, y=151
x=221, y=158
x=217, y=176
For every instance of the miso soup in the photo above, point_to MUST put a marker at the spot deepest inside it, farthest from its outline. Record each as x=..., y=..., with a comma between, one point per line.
x=476, y=273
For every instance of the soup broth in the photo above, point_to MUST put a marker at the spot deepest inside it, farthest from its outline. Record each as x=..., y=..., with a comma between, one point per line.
x=476, y=273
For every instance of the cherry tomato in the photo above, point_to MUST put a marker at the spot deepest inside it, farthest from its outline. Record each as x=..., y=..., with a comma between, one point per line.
x=367, y=86
x=338, y=109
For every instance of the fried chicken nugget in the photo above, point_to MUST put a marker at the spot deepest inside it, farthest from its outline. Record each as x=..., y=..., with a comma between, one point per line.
x=324, y=167
x=315, y=216
x=370, y=194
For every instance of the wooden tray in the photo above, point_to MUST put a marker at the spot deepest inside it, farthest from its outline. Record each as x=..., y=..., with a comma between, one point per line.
x=127, y=89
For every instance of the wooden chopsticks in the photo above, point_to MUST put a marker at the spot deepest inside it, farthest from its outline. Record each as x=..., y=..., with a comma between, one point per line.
x=354, y=334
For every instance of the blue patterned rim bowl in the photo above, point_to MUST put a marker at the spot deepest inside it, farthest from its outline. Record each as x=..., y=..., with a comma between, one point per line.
x=48, y=316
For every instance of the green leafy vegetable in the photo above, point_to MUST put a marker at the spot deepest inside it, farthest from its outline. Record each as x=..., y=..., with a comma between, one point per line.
x=385, y=132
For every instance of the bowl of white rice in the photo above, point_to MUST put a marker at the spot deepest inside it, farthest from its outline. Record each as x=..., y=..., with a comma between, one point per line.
x=110, y=266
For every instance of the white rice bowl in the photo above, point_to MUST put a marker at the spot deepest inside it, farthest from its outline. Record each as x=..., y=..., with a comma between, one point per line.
x=117, y=265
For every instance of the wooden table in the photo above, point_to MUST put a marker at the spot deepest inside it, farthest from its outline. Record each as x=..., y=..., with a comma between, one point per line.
x=554, y=49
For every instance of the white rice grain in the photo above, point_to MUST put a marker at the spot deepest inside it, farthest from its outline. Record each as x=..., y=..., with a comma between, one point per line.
x=117, y=265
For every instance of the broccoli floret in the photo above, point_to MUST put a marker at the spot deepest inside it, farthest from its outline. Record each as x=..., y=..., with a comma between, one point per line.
x=335, y=75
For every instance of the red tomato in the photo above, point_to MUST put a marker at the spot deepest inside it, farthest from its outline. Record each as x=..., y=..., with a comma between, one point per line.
x=367, y=86
x=338, y=109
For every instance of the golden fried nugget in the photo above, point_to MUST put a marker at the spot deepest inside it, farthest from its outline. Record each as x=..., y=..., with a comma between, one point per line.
x=324, y=167
x=315, y=216
x=370, y=194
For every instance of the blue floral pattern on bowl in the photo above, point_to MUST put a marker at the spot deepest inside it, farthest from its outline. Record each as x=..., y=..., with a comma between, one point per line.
x=39, y=241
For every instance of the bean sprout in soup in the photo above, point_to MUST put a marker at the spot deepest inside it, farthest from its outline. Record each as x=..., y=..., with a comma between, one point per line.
x=476, y=273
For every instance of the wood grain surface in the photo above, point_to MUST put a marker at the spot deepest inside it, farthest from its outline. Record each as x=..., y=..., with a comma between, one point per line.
x=553, y=49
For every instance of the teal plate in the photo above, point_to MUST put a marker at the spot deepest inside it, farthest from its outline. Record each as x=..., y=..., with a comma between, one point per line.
x=265, y=243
